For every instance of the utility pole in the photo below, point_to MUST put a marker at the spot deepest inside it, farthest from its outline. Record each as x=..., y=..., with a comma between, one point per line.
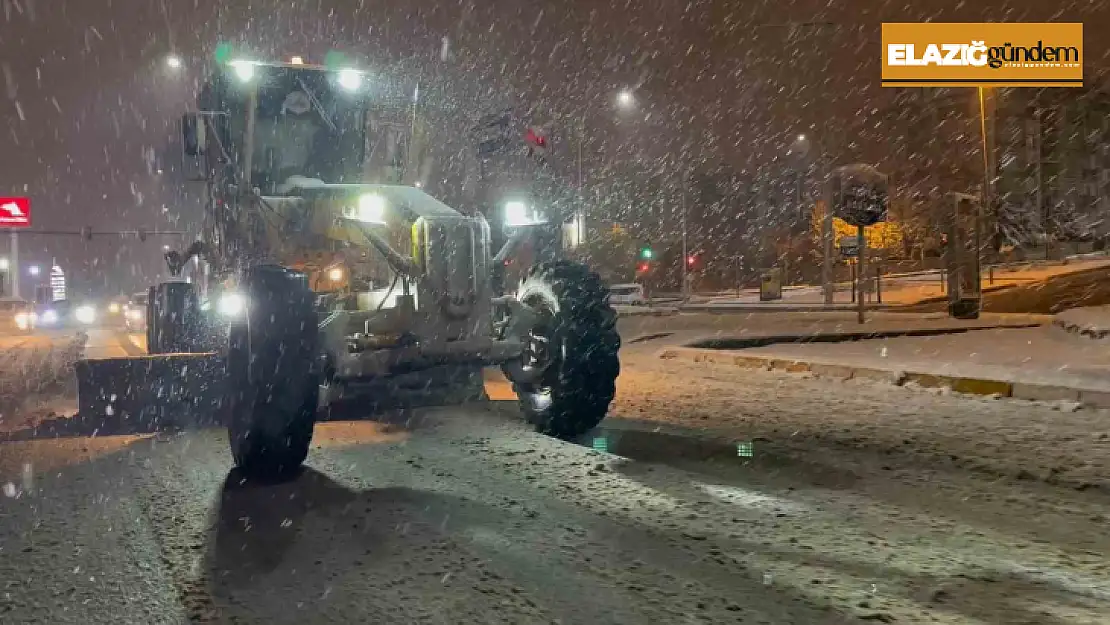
x=15, y=263
x=986, y=207
x=581, y=219
x=826, y=237
x=685, y=248
x=1038, y=174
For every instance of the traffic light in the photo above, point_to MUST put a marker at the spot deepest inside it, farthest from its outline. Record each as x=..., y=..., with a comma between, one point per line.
x=644, y=267
x=691, y=259
x=142, y=234
x=223, y=52
x=86, y=233
x=646, y=253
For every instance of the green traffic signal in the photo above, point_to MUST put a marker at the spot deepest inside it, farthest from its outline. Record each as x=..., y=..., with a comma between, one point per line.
x=646, y=253
x=223, y=52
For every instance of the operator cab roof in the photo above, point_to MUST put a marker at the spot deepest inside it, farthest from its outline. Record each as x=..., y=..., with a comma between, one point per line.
x=410, y=199
x=285, y=64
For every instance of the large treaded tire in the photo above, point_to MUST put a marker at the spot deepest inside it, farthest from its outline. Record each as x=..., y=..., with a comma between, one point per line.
x=576, y=388
x=272, y=376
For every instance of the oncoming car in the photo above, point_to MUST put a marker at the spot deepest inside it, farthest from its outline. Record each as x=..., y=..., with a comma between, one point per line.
x=65, y=314
x=134, y=313
x=17, y=314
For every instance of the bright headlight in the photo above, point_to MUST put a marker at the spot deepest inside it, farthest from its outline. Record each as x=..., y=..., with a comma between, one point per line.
x=23, y=320
x=349, y=79
x=113, y=308
x=231, y=305
x=518, y=213
x=85, y=314
x=369, y=209
x=244, y=70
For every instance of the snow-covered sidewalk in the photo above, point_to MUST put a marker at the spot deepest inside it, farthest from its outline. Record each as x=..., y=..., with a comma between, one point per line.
x=35, y=374
x=902, y=289
x=1029, y=363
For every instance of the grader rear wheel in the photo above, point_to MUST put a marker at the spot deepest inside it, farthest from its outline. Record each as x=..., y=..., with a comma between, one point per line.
x=566, y=378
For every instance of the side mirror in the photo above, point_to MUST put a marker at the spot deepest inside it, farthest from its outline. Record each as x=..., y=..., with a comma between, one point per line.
x=193, y=134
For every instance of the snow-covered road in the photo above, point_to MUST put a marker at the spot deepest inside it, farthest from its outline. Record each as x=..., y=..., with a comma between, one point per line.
x=861, y=502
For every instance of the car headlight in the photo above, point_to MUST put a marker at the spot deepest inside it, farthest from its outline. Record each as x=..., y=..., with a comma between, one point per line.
x=23, y=320
x=135, y=314
x=50, y=317
x=85, y=314
x=113, y=308
x=369, y=209
x=518, y=213
x=231, y=305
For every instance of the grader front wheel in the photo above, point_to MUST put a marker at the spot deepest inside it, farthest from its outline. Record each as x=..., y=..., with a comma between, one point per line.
x=271, y=374
x=566, y=378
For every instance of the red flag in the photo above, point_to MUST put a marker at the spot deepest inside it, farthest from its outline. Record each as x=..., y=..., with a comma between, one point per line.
x=536, y=139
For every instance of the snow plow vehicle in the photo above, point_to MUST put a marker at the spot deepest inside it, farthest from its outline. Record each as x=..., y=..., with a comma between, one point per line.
x=319, y=285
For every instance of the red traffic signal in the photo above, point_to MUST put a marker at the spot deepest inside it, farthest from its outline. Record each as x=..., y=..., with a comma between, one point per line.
x=690, y=260
x=644, y=267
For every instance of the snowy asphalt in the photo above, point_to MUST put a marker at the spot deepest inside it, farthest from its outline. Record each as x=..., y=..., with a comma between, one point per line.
x=860, y=503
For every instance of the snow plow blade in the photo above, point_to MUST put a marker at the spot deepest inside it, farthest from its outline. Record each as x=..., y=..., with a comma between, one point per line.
x=151, y=393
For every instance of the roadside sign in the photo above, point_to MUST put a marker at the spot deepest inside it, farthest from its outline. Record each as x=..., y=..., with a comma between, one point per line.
x=15, y=212
x=859, y=194
x=849, y=246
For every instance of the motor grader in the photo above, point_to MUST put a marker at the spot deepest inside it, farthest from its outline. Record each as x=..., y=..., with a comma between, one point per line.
x=316, y=284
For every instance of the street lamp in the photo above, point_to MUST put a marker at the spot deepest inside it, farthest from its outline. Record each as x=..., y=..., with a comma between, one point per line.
x=33, y=270
x=173, y=61
x=625, y=99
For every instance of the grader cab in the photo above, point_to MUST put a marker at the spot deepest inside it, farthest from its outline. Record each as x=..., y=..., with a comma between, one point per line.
x=321, y=285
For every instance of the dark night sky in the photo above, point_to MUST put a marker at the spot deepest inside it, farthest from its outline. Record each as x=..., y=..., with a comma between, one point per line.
x=86, y=95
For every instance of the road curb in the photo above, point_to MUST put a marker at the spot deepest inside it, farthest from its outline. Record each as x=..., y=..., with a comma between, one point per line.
x=1082, y=330
x=972, y=385
x=735, y=343
x=646, y=312
x=725, y=309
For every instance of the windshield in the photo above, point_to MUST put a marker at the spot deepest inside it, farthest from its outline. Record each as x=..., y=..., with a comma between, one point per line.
x=306, y=126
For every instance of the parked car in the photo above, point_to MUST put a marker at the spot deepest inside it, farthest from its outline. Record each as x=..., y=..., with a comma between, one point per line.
x=627, y=295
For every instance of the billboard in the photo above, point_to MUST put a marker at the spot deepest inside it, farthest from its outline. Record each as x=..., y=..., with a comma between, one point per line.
x=15, y=212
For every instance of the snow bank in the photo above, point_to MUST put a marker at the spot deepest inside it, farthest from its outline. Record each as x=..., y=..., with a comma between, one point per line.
x=38, y=372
